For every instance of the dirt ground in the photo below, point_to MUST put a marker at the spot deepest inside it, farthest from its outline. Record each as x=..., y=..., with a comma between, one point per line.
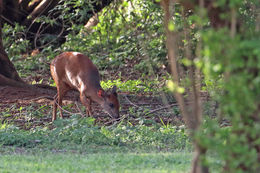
x=28, y=108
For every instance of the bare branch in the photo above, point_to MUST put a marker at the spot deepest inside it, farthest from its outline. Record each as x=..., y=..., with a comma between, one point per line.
x=32, y=5
x=38, y=10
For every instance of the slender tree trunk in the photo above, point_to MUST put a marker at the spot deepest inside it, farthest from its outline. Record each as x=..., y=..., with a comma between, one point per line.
x=198, y=158
x=191, y=115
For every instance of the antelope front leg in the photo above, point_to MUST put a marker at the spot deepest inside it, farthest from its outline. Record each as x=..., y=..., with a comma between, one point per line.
x=88, y=107
x=54, y=112
x=87, y=103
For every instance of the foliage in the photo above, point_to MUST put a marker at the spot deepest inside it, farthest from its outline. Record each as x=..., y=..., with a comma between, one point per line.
x=228, y=56
x=129, y=36
x=126, y=33
x=239, y=103
x=231, y=69
x=14, y=41
x=17, y=46
x=79, y=133
x=136, y=86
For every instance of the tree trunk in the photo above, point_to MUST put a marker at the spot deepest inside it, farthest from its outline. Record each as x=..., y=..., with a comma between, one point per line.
x=192, y=117
x=8, y=74
x=197, y=163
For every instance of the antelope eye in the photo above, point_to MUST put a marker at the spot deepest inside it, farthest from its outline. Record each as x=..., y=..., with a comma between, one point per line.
x=111, y=105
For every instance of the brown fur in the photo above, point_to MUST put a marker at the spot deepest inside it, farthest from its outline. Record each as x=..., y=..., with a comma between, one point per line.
x=71, y=70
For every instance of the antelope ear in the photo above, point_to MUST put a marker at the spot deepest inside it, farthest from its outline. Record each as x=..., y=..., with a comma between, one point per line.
x=114, y=90
x=101, y=93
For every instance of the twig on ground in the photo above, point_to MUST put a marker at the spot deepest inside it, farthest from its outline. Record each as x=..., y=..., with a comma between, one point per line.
x=152, y=111
x=116, y=121
x=131, y=102
x=165, y=107
x=71, y=113
x=38, y=98
x=82, y=114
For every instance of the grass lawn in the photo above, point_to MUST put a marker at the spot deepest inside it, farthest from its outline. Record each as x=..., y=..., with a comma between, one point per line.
x=44, y=162
x=75, y=146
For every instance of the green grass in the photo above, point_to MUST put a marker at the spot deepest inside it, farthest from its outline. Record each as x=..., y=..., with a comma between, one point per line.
x=42, y=162
x=77, y=145
x=77, y=134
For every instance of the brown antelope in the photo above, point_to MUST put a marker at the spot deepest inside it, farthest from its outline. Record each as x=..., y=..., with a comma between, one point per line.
x=73, y=70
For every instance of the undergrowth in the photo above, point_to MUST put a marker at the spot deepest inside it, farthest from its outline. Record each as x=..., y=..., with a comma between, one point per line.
x=79, y=133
